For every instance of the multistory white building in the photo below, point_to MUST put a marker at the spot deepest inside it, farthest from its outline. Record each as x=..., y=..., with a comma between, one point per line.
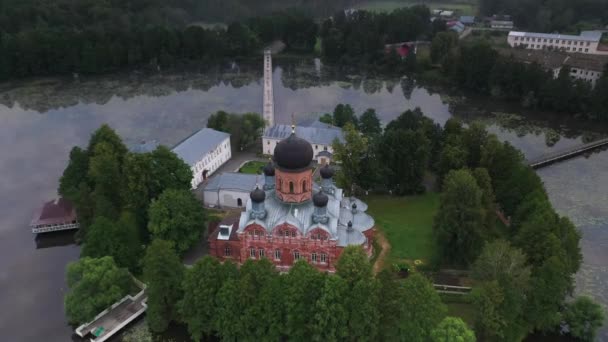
x=587, y=42
x=204, y=151
x=582, y=66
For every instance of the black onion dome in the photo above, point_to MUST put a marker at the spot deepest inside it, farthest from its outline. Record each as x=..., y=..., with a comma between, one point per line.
x=320, y=199
x=269, y=169
x=293, y=153
x=327, y=172
x=257, y=195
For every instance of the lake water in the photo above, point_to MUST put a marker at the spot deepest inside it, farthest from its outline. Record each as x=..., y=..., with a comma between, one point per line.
x=41, y=120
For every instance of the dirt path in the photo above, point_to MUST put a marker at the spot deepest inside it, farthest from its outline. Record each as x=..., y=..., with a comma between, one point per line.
x=386, y=247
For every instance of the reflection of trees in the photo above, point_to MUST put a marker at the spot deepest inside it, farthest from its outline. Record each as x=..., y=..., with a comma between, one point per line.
x=525, y=125
x=46, y=95
x=372, y=85
x=407, y=87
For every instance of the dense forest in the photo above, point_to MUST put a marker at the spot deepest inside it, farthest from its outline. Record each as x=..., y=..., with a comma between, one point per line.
x=549, y=15
x=20, y=15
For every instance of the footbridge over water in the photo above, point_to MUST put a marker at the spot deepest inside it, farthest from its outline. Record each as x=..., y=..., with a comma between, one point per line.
x=566, y=154
x=268, y=109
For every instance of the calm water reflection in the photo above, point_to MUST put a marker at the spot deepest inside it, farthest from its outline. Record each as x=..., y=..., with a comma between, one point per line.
x=40, y=122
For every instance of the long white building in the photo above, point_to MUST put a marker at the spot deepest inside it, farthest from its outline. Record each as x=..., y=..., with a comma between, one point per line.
x=587, y=42
x=205, y=151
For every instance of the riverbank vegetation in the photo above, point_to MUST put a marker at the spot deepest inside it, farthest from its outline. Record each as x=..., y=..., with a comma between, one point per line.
x=123, y=200
x=523, y=272
x=476, y=67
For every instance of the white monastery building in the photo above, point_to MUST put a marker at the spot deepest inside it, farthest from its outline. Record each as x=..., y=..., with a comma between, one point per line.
x=204, y=151
x=320, y=136
x=587, y=42
x=230, y=189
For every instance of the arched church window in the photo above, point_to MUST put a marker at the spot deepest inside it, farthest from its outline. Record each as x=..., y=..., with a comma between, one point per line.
x=280, y=183
x=227, y=251
x=291, y=187
x=304, y=186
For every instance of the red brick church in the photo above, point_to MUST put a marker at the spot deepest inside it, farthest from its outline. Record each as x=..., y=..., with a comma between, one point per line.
x=291, y=218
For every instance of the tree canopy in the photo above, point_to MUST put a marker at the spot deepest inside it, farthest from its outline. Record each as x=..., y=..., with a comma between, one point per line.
x=164, y=272
x=452, y=329
x=459, y=221
x=94, y=285
x=177, y=216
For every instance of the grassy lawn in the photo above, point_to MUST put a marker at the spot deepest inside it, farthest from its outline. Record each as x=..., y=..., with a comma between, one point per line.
x=463, y=7
x=252, y=167
x=407, y=223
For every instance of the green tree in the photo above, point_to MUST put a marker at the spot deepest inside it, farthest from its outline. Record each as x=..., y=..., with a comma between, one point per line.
x=452, y=157
x=344, y=114
x=369, y=124
x=584, y=317
x=506, y=266
x=327, y=119
x=350, y=155
x=74, y=174
x=105, y=173
x=390, y=295
x=406, y=155
x=302, y=285
x=459, y=221
x=245, y=129
x=331, y=315
x=474, y=138
x=260, y=295
x=482, y=177
x=169, y=172
x=452, y=329
x=354, y=266
x=443, y=46
x=228, y=304
x=177, y=216
x=489, y=323
x=198, y=307
x=120, y=240
x=94, y=285
x=218, y=121
x=421, y=309
x=163, y=271
x=549, y=287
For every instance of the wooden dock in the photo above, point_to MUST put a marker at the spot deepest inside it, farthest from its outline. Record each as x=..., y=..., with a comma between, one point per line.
x=566, y=154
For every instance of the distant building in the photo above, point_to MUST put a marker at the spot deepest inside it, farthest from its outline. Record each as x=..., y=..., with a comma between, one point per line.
x=402, y=49
x=587, y=42
x=446, y=14
x=455, y=26
x=204, y=151
x=502, y=24
x=467, y=19
x=58, y=214
x=291, y=218
x=582, y=66
x=230, y=189
x=321, y=138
